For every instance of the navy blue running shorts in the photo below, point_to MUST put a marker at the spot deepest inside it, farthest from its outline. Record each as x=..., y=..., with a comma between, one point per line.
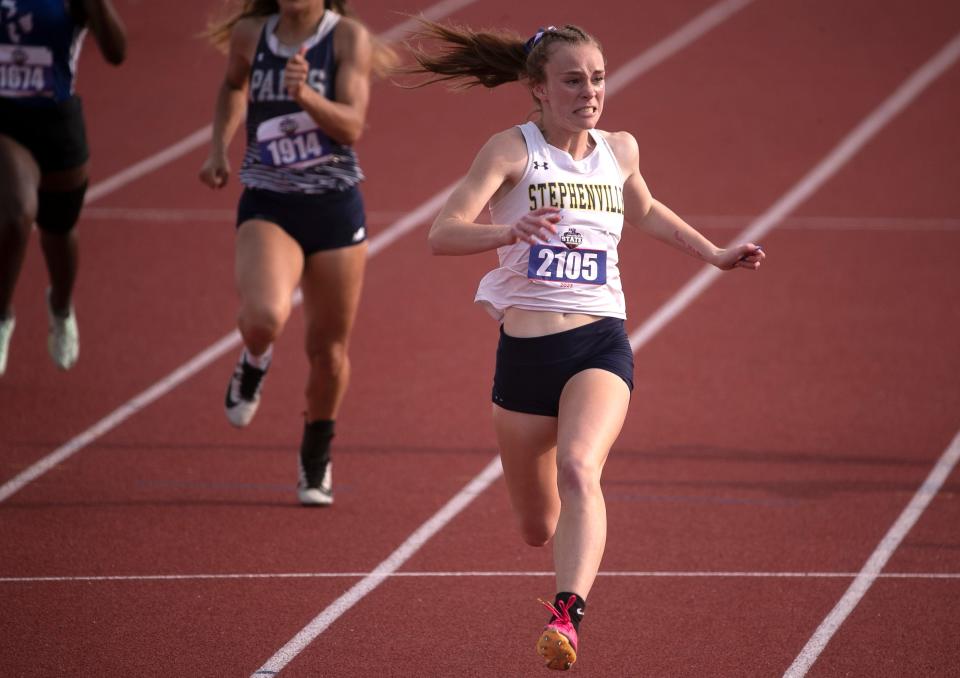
x=531, y=372
x=317, y=221
x=54, y=134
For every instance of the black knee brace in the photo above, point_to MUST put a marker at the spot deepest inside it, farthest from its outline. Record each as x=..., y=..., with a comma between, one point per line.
x=58, y=211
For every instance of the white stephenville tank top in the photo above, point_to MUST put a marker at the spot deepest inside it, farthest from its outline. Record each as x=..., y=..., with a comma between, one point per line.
x=576, y=271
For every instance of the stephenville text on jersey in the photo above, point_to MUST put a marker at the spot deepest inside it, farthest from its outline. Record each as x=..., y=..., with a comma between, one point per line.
x=576, y=196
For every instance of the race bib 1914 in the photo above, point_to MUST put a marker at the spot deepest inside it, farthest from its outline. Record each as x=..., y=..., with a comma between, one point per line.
x=292, y=141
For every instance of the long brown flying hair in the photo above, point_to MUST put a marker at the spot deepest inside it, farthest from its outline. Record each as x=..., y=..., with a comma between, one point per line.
x=468, y=58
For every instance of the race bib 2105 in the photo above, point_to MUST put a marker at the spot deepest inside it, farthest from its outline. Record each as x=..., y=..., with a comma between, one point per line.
x=563, y=265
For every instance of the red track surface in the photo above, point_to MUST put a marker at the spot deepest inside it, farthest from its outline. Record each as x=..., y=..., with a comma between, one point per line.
x=780, y=424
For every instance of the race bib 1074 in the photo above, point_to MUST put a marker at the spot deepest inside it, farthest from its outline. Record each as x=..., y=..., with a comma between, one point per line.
x=563, y=265
x=26, y=71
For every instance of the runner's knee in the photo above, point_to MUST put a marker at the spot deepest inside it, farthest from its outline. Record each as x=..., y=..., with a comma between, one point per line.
x=261, y=324
x=18, y=190
x=577, y=478
x=536, y=532
x=59, y=211
x=327, y=357
x=17, y=215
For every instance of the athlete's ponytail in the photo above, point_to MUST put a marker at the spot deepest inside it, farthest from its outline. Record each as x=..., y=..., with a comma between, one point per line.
x=490, y=58
x=338, y=6
x=384, y=58
x=218, y=31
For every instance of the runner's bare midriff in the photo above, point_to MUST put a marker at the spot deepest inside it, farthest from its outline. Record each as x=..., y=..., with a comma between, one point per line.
x=521, y=323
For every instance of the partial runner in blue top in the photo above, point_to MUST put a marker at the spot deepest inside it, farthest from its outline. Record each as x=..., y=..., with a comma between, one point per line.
x=39, y=45
x=43, y=150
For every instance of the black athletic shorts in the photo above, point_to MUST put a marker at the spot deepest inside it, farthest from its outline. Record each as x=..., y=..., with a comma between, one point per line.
x=531, y=372
x=317, y=221
x=55, y=135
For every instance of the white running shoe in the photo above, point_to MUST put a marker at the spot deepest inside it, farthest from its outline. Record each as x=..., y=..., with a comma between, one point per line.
x=312, y=492
x=63, y=340
x=243, y=392
x=6, y=331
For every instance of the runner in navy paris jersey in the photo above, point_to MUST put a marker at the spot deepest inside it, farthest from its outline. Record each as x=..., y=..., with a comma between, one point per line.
x=559, y=192
x=43, y=150
x=299, y=71
x=287, y=151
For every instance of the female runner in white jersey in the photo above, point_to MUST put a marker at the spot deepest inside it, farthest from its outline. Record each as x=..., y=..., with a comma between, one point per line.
x=559, y=191
x=299, y=72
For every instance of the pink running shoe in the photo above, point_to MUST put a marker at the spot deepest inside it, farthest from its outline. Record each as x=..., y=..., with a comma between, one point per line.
x=558, y=641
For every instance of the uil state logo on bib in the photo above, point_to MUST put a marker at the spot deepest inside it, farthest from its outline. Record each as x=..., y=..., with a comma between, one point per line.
x=288, y=126
x=569, y=264
x=571, y=238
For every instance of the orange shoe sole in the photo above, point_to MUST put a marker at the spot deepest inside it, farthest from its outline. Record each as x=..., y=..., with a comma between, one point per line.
x=556, y=649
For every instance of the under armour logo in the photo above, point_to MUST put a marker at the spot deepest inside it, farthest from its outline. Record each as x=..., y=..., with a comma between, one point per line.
x=536, y=165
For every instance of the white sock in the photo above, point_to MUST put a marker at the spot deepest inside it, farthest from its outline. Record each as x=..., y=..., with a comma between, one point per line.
x=262, y=361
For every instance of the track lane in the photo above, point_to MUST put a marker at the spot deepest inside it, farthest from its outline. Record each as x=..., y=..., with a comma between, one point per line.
x=461, y=437
x=797, y=490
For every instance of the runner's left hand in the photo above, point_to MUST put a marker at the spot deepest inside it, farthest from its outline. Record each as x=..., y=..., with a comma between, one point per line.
x=746, y=256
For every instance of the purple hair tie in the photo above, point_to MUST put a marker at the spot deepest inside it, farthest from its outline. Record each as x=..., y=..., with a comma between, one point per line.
x=532, y=42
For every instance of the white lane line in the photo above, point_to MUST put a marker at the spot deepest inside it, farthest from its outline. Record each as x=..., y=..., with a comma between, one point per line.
x=827, y=223
x=119, y=415
x=876, y=562
x=203, y=135
x=161, y=214
x=647, y=60
x=420, y=215
x=809, y=184
x=475, y=573
x=148, y=165
x=688, y=33
x=437, y=11
x=904, y=94
x=404, y=552
x=169, y=216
